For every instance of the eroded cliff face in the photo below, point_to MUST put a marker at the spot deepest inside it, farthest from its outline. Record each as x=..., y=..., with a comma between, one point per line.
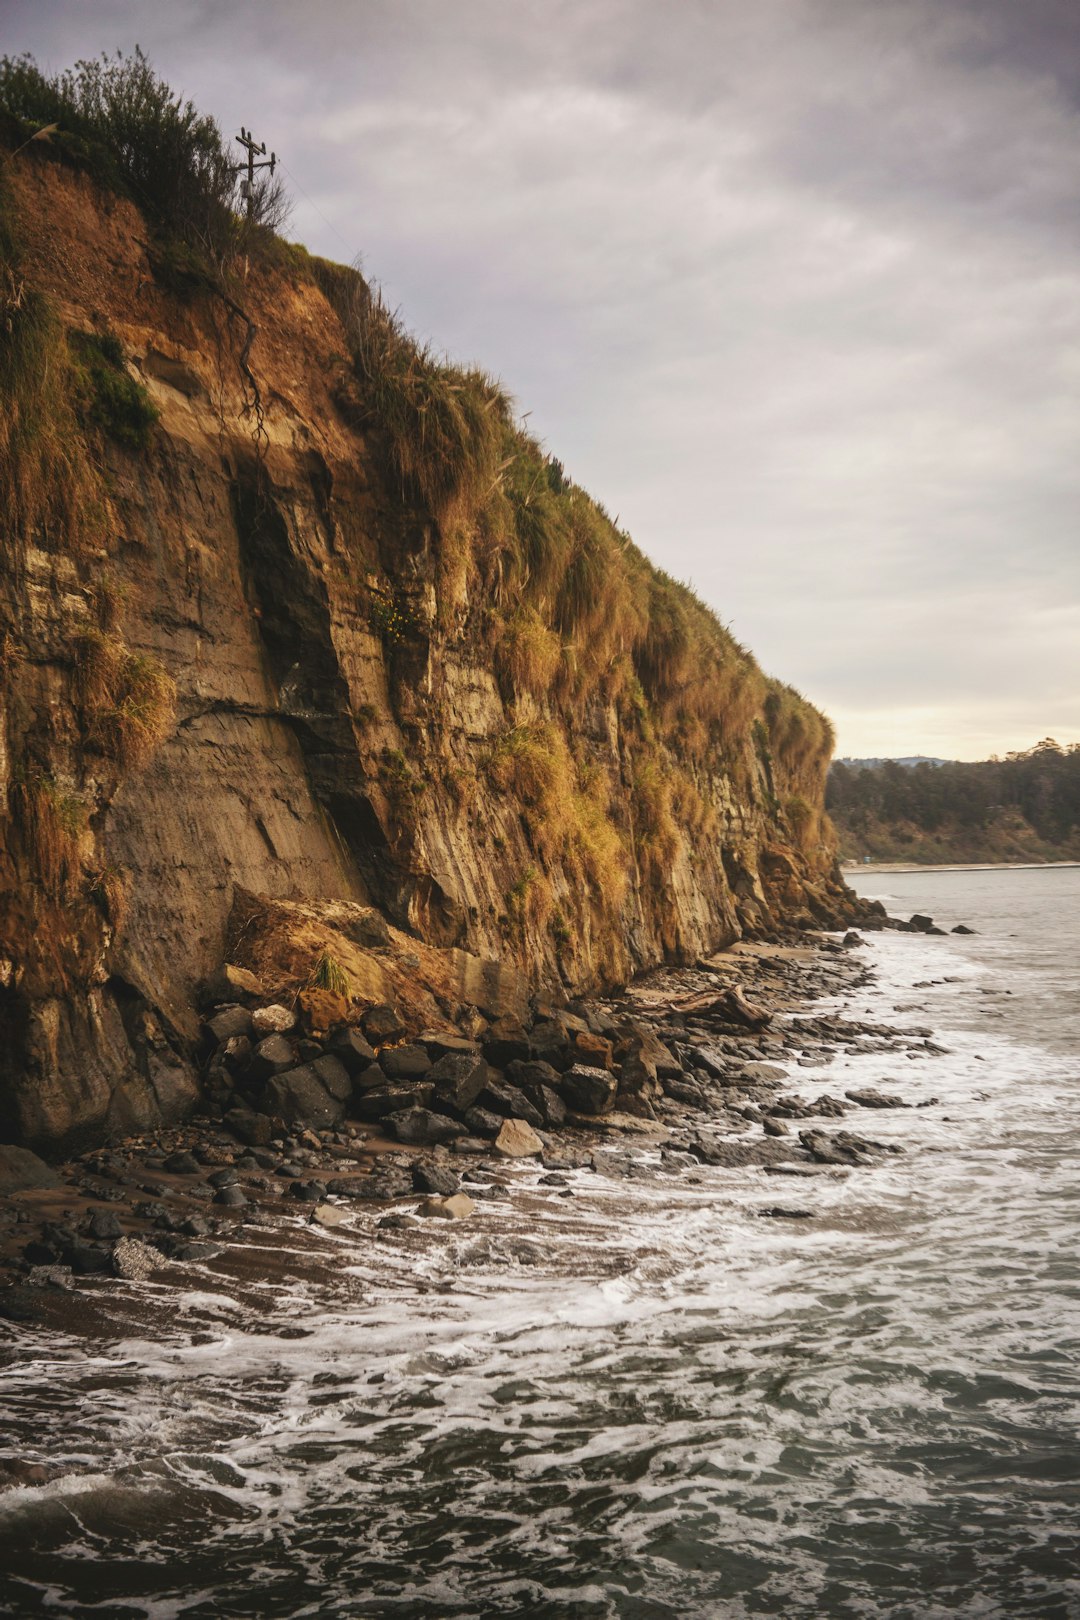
x=340, y=730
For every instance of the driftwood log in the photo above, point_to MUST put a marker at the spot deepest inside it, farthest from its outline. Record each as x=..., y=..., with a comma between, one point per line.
x=731, y=1005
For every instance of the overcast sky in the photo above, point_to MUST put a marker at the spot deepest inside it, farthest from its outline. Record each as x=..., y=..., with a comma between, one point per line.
x=793, y=287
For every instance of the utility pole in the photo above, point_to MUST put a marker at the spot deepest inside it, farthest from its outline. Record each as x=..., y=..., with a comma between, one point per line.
x=247, y=187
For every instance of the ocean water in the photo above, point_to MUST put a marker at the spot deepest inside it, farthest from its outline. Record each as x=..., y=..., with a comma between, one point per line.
x=645, y=1400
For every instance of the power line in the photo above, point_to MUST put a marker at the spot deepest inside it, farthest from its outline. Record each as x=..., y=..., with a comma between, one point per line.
x=353, y=256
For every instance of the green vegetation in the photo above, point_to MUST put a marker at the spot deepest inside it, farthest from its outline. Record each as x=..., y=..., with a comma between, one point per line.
x=117, y=119
x=108, y=396
x=328, y=974
x=1025, y=806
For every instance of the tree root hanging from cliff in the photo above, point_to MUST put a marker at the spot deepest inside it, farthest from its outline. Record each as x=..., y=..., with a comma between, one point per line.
x=253, y=399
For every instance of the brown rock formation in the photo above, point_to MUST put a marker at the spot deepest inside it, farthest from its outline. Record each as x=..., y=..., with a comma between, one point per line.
x=336, y=754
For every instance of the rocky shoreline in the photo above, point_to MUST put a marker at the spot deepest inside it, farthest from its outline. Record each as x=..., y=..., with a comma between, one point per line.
x=308, y=1126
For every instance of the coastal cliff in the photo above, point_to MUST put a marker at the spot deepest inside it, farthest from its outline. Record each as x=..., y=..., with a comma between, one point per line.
x=292, y=611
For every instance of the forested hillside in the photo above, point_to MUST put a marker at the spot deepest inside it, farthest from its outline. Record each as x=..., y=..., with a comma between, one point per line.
x=1023, y=807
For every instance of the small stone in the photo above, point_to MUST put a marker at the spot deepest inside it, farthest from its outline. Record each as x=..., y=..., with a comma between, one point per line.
x=308, y=1192
x=397, y=1223
x=517, y=1140
x=104, y=1224
x=51, y=1277
x=272, y=1020
x=329, y=1215
x=457, y=1208
x=231, y=1197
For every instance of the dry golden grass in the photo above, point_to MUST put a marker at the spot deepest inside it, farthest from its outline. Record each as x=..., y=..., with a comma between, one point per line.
x=52, y=823
x=127, y=700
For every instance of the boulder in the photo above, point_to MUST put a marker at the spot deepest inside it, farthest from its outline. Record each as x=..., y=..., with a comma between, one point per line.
x=272, y=1020
x=435, y=1178
x=516, y=1140
x=181, y=1164
x=870, y=1097
x=273, y=1055
x=706, y=1058
x=300, y=1095
x=104, y=1225
x=459, y=1078
x=382, y=1023
x=921, y=924
x=500, y=1097
x=533, y=1073
x=550, y=1042
x=409, y=1062
x=457, y=1208
x=19, y=1169
x=368, y=1079
x=551, y=1106
x=638, y=1041
x=505, y=1041
x=253, y=1129
x=353, y=1050
x=322, y=1011
x=230, y=1197
x=421, y=1128
x=378, y=1102
x=592, y=1049
x=135, y=1261
x=227, y=1022
x=639, y=1089
x=588, y=1090
x=88, y=1259
x=962, y=928
x=329, y=1215
x=483, y=1123
x=231, y=984
x=439, y=1046
x=334, y=1076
